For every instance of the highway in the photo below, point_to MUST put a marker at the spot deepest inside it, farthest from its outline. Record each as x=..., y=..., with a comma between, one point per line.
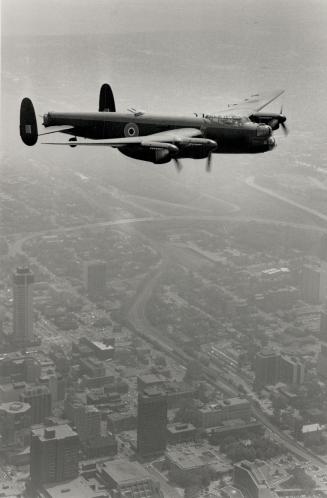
x=250, y=181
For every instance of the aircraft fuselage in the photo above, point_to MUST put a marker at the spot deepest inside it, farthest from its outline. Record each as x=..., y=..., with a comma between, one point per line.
x=232, y=134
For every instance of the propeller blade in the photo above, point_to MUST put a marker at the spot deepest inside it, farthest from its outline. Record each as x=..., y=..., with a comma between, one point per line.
x=178, y=165
x=209, y=158
x=285, y=129
x=209, y=161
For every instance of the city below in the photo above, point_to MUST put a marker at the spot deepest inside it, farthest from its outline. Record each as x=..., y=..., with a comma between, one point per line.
x=154, y=348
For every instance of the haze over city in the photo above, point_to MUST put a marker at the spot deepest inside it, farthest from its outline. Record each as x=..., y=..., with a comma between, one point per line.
x=163, y=333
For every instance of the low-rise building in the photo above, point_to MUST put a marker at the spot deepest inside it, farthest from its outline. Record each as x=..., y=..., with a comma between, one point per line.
x=181, y=433
x=124, y=478
x=249, y=478
x=74, y=488
x=213, y=415
x=184, y=466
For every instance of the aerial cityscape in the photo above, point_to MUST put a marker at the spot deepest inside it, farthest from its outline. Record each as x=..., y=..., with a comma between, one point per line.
x=164, y=334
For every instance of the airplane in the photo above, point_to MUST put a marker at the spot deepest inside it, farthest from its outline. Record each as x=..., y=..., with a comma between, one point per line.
x=241, y=128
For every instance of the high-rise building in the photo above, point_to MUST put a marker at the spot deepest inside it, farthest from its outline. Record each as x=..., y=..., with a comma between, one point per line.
x=39, y=398
x=266, y=367
x=23, y=279
x=54, y=454
x=14, y=417
x=272, y=367
x=86, y=418
x=95, y=279
x=291, y=370
x=314, y=283
x=19, y=368
x=151, y=423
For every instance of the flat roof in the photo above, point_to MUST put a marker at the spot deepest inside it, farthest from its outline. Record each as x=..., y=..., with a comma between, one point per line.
x=71, y=489
x=124, y=472
x=180, y=427
x=15, y=407
x=101, y=345
x=151, y=377
x=232, y=492
x=224, y=403
x=60, y=432
x=312, y=428
x=185, y=461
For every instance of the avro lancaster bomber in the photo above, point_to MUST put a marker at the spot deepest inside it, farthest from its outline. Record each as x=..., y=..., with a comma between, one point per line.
x=159, y=138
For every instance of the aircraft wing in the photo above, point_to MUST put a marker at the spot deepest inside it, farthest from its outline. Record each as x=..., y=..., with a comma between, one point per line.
x=252, y=104
x=160, y=140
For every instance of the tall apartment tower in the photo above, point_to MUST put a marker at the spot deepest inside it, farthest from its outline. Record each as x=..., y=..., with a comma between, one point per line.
x=39, y=398
x=54, y=454
x=266, y=367
x=314, y=283
x=23, y=279
x=95, y=279
x=151, y=423
x=291, y=370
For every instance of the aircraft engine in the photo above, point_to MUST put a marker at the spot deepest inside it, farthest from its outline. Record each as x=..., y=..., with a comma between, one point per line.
x=150, y=154
x=274, y=120
x=196, y=151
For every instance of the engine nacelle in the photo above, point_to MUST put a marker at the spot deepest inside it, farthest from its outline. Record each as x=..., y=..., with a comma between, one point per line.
x=272, y=119
x=152, y=155
x=195, y=151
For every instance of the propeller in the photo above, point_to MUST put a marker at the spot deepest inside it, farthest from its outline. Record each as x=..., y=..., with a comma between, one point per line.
x=209, y=162
x=178, y=165
x=282, y=123
x=209, y=159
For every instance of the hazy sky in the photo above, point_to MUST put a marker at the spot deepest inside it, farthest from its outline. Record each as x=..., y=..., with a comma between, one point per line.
x=80, y=16
x=112, y=16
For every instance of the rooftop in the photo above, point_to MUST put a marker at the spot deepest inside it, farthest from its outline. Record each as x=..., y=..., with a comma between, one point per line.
x=176, y=428
x=102, y=345
x=306, y=429
x=230, y=492
x=187, y=459
x=71, y=489
x=124, y=472
x=224, y=403
x=15, y=407
x=56, y=431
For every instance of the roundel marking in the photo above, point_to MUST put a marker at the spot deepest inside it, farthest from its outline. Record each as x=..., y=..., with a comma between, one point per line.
x=131, y=130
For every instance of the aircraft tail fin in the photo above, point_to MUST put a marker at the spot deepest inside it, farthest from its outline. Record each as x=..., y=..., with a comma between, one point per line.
x=28, y=125
x=106, y=99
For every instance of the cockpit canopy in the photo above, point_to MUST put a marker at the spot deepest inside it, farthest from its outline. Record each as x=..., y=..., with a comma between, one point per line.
x=226, y=120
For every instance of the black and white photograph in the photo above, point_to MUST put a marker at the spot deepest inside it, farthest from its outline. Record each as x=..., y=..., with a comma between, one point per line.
x=163, y=249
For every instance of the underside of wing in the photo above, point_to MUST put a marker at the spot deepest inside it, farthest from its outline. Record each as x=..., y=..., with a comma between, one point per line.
x=160, y=140
x=252, y=104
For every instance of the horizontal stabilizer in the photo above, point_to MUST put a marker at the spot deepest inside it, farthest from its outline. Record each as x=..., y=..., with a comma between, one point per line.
x=28, y=124
x=57, y=129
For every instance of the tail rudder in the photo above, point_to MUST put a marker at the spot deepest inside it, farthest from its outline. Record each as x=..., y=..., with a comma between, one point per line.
x=106, y=99
x=28, y=125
